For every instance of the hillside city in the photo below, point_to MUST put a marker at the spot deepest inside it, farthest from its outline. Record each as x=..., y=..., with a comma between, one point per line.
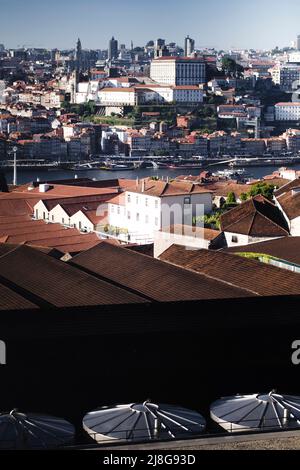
x=159, y=99
x=149, y=259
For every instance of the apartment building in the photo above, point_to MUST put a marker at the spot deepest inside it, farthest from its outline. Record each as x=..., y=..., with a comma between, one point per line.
x=178, y=71
x=287, y=111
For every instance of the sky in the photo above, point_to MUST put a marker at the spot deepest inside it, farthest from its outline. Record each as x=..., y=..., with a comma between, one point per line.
x=229, y=24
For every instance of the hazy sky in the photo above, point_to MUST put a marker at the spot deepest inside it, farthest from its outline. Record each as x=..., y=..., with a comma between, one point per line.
x=218, y=23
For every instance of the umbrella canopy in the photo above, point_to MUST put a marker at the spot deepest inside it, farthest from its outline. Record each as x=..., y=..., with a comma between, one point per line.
x=257, y=412
x=32, y=431
x=143, y=422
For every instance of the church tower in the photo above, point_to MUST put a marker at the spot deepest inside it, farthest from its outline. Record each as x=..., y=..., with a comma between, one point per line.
x=78, y=57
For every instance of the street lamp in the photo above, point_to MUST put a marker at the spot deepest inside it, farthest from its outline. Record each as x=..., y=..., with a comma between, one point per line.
x=14, y=152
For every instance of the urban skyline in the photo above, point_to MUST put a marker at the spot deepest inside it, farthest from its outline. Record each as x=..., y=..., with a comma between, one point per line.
x=96, y=23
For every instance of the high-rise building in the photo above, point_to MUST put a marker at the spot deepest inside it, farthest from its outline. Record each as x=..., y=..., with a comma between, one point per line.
x=189, y=46
x=298, y=43
x=113, y=49
x=2, y=48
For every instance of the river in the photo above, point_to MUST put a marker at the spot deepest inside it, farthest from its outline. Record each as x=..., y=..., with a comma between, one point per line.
x=51, y=175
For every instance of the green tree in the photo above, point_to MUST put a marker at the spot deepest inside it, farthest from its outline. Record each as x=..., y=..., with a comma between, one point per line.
x=230, y=67
x=244, y=197
x=231, y=199
x=264, y=189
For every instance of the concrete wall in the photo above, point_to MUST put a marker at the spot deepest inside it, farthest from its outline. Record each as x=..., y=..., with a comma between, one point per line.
x=164, y=240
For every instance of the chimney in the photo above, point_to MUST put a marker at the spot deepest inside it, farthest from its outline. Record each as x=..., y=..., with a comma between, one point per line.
x=43, y=188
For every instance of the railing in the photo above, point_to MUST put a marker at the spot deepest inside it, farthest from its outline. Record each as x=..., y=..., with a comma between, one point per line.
x=165, y=434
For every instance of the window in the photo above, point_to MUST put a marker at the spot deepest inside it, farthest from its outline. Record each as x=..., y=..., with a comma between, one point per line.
x=63, y=221
x=112, y=209
x=128, y=215
x=147, y=219
x=53, y=218
x=156, y=204
x=118, y=210
x=137, y=200
x=234, y=239
x=44, y=215
x=146, y=202
x=36, y=214
x=80, y=225
x=156, y=221
x=129, y=198
x=137, y=217
x=187, y=200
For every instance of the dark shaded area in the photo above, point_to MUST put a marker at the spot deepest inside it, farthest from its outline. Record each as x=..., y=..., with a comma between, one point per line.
x=67, y=362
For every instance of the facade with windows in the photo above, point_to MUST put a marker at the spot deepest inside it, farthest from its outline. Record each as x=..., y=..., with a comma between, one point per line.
x=178, y=71
x=137, y=216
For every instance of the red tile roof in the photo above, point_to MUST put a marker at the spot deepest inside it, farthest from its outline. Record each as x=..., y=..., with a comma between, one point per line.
x=258, y=278
x=257, y=217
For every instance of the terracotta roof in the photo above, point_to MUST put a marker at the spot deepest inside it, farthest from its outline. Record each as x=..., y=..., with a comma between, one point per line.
x=287, y=248
x=290, y=203
x=118, y=200
x=74, y=204
x=163, y=189
x=10, y=300
x=189, y=231
x=288, y=187
x=96, y=216
x=223, y=188
x=6, y=248
x=59, y=191
x=257, y=217
x=150, y=277
x=260, y=279
x=54, y=283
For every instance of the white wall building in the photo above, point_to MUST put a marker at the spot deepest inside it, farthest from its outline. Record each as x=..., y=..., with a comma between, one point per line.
x=287, y=111
x=117, y=97
x=178, y=71
x=137, y=214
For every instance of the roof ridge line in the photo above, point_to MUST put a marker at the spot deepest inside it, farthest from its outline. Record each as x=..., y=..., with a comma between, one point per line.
x=252, y=223
x=208, y=276
x=239, y=220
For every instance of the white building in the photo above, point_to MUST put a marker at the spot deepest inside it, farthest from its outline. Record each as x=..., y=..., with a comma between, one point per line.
x=287, y=111
x=117, y=97
x=87, y=91
x=137, y=214
x=194, y=238
x=178, y=71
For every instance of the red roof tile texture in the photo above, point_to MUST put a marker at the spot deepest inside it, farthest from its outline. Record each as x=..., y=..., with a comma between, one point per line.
x=150, y=277
x=257, y=217
x=259, y=278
